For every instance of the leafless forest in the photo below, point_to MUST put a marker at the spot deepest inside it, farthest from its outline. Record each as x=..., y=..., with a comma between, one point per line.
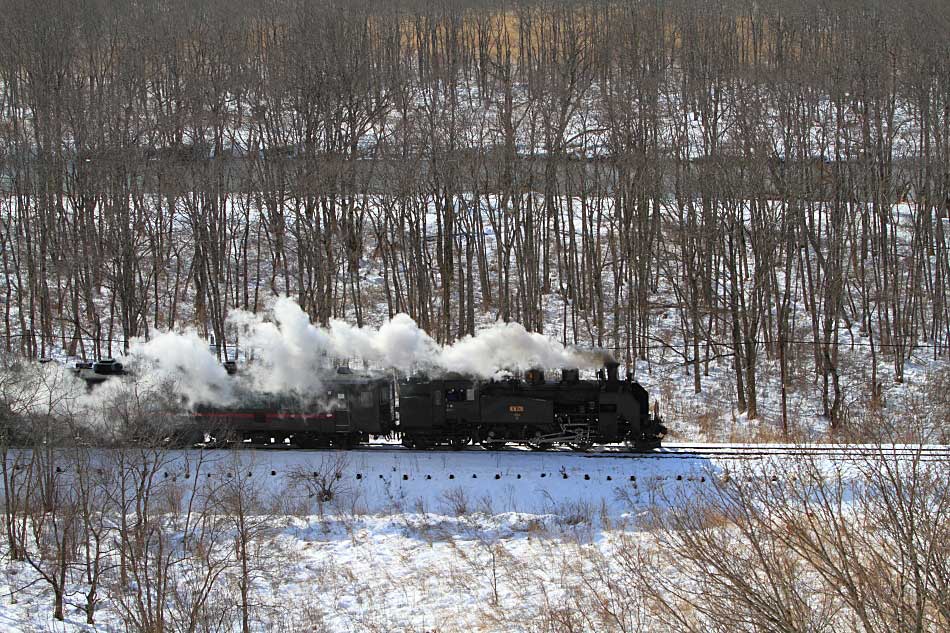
x=755, y=181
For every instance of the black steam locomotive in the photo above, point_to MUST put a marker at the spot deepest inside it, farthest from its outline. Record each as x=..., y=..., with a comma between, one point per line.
x=450, y=410
x=455, y=410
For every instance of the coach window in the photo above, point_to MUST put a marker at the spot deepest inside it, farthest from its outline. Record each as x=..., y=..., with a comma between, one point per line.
x=459, y=395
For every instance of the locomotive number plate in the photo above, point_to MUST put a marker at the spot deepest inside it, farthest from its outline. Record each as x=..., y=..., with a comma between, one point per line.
x=516, y=408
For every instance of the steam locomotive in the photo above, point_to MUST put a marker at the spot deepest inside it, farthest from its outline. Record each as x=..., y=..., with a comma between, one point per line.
x=450, y=410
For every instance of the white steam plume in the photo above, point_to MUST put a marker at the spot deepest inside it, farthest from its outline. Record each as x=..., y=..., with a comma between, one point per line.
x=183, y=360
x=52, y=398
x=397, y=344
x=510, y=346
x=294, y=348
x=289, y=354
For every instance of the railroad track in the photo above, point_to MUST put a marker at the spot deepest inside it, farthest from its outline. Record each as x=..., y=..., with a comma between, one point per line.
x=931, y=452
x=934, y=452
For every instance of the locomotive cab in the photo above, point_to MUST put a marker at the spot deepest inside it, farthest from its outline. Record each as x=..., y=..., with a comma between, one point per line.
x=635, y=425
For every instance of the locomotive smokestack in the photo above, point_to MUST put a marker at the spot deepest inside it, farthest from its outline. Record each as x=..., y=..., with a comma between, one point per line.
x=534, y=376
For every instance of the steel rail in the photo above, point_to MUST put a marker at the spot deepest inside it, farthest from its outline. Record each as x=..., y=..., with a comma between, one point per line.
x=685, y=451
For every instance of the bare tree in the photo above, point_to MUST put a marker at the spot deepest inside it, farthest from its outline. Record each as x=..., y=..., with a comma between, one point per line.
x=814, y=550
x=252, y=525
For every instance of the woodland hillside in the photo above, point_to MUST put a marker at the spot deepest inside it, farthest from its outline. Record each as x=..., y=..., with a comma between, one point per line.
x=759, y=188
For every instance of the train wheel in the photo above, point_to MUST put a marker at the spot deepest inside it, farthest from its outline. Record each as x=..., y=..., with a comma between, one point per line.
x=539, y=446
x=187, y=439
x=307, y=440
x=219, y=439
x=343, y=442
x=259, y=439
x=459, y=442
x=535, y=442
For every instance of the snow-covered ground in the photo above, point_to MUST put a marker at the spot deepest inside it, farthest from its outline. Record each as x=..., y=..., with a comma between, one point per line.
x=387, y=539
x=381, y=480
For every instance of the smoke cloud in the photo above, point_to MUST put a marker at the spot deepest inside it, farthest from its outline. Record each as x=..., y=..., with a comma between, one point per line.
x=290, y=354
x=285, y=353
x=294, y=350
x=510, y=346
